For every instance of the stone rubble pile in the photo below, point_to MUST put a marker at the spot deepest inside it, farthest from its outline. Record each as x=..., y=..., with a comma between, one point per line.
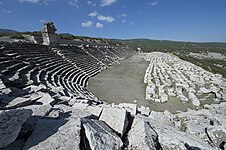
x=168, y=76
x=88, y=125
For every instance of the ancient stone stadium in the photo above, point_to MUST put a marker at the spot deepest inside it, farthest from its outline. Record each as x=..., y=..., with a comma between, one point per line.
x=48, y=103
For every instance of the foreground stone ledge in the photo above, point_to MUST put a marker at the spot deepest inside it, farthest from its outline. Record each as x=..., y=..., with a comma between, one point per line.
x=11, y=122
x=53, y=134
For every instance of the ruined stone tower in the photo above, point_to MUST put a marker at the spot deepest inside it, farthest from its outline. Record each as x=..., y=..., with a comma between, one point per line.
x=48, y=34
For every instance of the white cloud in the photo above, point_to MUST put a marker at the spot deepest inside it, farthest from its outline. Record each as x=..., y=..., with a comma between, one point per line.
x=107, y=2
x=6, y=11
x=99, y=25
x=45, y=2
x=42, y=21
x=153, y=3
x=0, y=3
x=29, y=1
x=123, y=15
x=124, y=20
x=90, y=3
x=87, y=24
x=93, y=14
x=105, y=18
x=74, y=3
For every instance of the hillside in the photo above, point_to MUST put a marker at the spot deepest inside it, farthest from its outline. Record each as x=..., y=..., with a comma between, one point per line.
x=7, y=31
x=147, y=45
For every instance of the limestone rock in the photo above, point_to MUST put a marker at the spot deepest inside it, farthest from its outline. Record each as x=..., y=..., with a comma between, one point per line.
x=131, y=108
x=11, y=122
x=144, y=110
x=171, y=138
x=100, y=136
x=163, y=117
x=6, y=91
x=204, y=90
x=142, y=136
x=71, y=112
x=39, y=110
x=80, y=106
x=2, y=85
x=94, y=110
x=195, y=101
x=43, y=98
x=33, y=88
x=116, y=118
x=52, y=134
x=14, y=102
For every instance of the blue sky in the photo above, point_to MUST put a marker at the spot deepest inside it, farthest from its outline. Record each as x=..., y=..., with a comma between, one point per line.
x=184, y=20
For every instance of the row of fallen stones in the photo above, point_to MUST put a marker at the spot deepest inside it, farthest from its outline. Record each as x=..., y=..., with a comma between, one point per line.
x=47, y=124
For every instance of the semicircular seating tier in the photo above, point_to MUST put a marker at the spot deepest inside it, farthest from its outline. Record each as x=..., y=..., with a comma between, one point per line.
x=64, y=70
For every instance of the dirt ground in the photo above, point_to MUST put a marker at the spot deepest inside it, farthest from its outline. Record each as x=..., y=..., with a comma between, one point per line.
x=124, y=83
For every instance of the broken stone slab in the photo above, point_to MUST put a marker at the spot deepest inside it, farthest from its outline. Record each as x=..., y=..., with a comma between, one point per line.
x=131, y=108
x=94, y=110
x=100, y=136
x=207, y=121
x=38, y=110
x=55, y=134
x=204, y=90
x=144, y=110
x=2, y=85
x=171, y=138
x=142, y=136
x=70, y=112
x=183, y=98
x=11, y=122
x=43, y=98
x=13, y=102
x=214, y=89
x=164, y=98
x=6, y=91
x=163, y=117
x=116, y=118
x=63, y=98
x=81, y=106
x=33, y=88
x=195, y=101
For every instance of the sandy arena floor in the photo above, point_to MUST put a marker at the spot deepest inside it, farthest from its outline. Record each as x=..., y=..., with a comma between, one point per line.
x=124, y=83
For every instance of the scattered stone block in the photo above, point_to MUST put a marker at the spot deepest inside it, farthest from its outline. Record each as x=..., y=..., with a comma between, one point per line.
x=144, y=110
x=131, y=108
x=142, y=136
x=195, y=101
x=17, y=102
x=204, y=90
x=70, y=112
x=94, y=110
x=2, y=85
x=43, y=98
x=116, y=118
x=81, y=106
x=100, y=136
